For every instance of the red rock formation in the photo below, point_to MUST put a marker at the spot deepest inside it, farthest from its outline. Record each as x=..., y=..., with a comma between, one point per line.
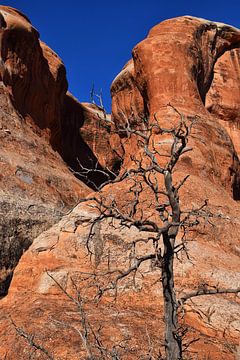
x=36, y=120
x=62, y=251
x=86, y=142
x=196, y=53
x=33, y=75
x=189, y=77
x=223, y=97
x=160, y=79
x=144, y=88
x=127, y=102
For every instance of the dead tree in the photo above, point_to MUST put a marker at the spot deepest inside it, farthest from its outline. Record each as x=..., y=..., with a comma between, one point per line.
x=153, y=169
x=147, y=168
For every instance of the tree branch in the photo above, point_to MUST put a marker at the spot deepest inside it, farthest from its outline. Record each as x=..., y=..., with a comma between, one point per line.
x=207, y=291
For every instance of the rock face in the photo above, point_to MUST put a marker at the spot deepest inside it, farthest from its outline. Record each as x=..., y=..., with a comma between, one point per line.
x=154, y=79
x=64, y=262
x=39, y=126
x=159, y=86
x=61, y=252
x=223, y=97
x=86, y=143
x=32, y=74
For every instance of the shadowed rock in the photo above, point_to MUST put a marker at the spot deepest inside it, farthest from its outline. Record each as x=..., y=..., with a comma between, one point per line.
x=39, y=126
x=175, y=64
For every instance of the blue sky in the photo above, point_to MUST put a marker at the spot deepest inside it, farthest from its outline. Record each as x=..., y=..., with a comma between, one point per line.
x=95, y=38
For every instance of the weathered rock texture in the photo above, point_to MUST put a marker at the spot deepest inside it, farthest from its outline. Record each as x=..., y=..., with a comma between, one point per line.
x=142, y=91
x=223, y=97
x=86, y=145
x=155, y=79
x=39, y=121
x=137, y=313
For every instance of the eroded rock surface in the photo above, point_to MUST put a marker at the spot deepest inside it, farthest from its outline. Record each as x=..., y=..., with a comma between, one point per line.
x=86, y=145
x=142, y=92
x=154, y=79
x=39, y=126
x=223, y=97
x=61, y=254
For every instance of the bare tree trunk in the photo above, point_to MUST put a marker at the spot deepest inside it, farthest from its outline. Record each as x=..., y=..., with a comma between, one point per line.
x=173, y=344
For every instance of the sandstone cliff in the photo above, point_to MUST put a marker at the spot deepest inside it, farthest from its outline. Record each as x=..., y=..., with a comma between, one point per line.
x=199, y=83
x=39, y=127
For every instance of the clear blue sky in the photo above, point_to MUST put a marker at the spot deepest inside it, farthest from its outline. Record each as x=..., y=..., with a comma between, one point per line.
x=95, y=38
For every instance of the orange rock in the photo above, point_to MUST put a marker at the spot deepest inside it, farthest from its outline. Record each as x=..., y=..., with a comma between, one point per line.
x=223, y=97
x=127, y=102
x=174, y=64
x=33, y=75
x=38, y=123
x=161, y=80
x=86, y=145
